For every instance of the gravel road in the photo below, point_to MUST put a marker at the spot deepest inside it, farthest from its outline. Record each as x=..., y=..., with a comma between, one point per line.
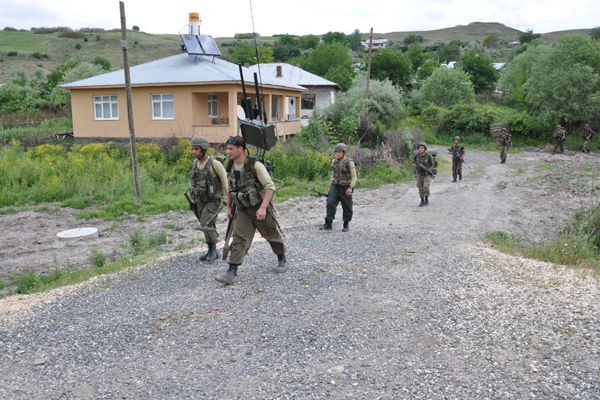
x=408, y=304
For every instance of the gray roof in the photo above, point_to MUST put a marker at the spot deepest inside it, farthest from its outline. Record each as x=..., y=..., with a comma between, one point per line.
x=291, y=75
x=178, y=69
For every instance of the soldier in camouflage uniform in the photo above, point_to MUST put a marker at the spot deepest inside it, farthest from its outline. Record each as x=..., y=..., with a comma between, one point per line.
x=587, y=137
x=560, y=134
x=343, y=179
x=505, y=142
x=250, y=190
x=208, y=185
x=423, y=164
x=458, y=157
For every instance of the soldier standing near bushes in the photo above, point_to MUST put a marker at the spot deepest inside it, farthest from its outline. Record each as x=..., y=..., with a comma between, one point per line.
x=587, y=137
x=560, y=134
x=343, y=179
x=458, y=157
x=505, y=142
x=209, y=184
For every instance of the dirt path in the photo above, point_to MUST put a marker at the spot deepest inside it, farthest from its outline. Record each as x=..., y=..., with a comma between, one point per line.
x=408, y=304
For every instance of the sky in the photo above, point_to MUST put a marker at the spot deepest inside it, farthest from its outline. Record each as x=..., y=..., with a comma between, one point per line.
x=221, y=18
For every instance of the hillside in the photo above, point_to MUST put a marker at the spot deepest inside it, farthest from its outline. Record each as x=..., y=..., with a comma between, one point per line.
x=28, y=51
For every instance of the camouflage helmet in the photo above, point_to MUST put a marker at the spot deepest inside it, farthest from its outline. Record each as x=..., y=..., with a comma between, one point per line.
x=201, y=142
x=341, y=147
x=457, y=138
x=422, y=144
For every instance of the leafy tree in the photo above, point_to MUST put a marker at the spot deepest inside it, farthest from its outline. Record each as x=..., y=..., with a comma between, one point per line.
x=18, y=98
x=57, y=75
x=391, y=64
x=480, y=69
x=417, y=55
x=446, y=87
x=61, y=97
x=595, y=33
x=413, y=38
x=491, y=40
x=327, y=56
x=103, y=62
x=426, y=70
x=135, y=28
x=449, y=51
x=286, y=47
x=565, y=84
x=354, y=40
x=331, y=37
x=384, y=102
x=309, y=42
x=340, y=75
x=528, y=36
x=245, y=53
x=467, y=118
x=265, y=54
x=514, y=75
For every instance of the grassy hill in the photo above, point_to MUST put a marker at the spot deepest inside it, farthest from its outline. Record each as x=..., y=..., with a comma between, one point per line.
x=28, y=51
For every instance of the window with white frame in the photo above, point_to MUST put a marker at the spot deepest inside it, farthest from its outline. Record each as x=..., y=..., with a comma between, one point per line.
x=163, y=106
x=213, y=105
x=106, y=107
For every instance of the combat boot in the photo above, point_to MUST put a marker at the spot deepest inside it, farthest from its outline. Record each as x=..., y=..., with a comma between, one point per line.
x=453, y=177
x=326, y=226
x=229, y=277
x=460, y=177
x=422, y=202
x=281, y=264
x=346, y=228
x=212, y=253
x=426, y=200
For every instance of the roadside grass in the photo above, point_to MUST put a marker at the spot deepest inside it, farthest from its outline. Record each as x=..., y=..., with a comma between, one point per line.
x=543, y=167
x=578, y=244
x=143, y=249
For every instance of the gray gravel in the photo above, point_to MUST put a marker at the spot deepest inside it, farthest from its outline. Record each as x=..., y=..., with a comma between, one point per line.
x=408, y=304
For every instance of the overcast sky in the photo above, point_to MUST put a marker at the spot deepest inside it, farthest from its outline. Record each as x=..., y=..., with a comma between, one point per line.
x=226, y=17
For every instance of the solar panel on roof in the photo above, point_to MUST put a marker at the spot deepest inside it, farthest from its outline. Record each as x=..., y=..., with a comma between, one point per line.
x=191, y=43
x=209, y=45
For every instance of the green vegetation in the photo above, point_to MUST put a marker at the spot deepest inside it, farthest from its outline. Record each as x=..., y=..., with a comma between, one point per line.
x=98, y=259
x=577, y=245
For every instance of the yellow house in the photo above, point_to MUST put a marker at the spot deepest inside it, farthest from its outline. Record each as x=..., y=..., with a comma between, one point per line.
x=180, y=96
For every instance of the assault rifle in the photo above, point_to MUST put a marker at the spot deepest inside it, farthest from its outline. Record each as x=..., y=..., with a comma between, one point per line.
x=424, y=169
x=194, y=208
x=228, y=232
x=316, y=193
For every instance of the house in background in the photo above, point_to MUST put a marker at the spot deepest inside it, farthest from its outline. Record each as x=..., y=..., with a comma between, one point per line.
x=183, y=95
x=320, y=92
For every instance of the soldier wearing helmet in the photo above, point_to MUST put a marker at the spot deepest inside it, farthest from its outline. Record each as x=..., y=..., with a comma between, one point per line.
x=424, y=164
x=457, y=150
x=250, y=191
x=559, y=135
x=505, y=141
x=208, y=185
x=343, y=179
x=587, y=137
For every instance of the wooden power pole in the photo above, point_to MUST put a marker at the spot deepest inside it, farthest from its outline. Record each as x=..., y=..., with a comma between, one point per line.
x=366, y=110
x=134, y=162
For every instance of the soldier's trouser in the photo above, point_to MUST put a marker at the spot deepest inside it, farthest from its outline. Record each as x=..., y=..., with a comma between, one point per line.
x=245, y=225
x=336, y=195
x=208, y=217
x=503, y=152
x=559, y=147
x=456, y=168
x=586, y=147
x=423, y=182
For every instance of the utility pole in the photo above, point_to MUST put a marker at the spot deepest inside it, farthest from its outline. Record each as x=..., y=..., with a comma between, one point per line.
x=366, y=109
x=134, y=162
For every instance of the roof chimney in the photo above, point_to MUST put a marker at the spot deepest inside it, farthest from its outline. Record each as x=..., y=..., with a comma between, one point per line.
x=279, y=73
x=194, y=23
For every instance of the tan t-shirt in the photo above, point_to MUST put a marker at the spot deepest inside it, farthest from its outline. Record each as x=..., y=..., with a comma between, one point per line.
x=261, y=173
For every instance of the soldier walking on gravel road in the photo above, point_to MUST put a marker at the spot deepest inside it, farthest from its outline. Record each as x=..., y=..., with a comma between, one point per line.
x=343, y=179
x=587, y=137
x=249, y=204
x=458, y=158
x=208, y=186
x=505, y=142
x=424, y=168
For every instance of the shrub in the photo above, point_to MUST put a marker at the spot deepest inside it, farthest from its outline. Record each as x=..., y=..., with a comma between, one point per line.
x=39, y=55
x=445, y=88
x=98, y=259
x=433, y=115
x=467, y=119
x=78, y=46
x=12, y=53
x=9, y=29
x=524, y=125
x=71, y=34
